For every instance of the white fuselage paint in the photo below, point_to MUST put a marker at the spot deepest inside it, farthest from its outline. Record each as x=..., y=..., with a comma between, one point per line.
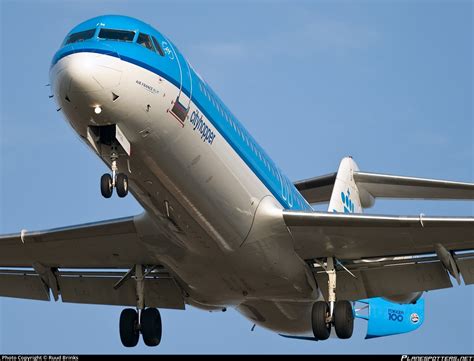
x=220, y=243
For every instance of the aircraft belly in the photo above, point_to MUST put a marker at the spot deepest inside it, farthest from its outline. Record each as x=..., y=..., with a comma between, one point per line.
x=289, y=318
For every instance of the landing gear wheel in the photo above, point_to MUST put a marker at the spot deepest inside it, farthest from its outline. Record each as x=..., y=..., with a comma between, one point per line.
x=319, y=315
x=121, y=184
x=129, y=333
x=106, y=186
x=343, y=319
x=150, y=322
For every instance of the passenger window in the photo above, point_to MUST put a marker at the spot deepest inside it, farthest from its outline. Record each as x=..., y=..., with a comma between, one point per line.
x=157, y=46
x=144, y=40
x=80, y=36
x=120, y=35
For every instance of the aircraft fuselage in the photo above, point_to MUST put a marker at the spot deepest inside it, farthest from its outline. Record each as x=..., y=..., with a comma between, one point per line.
x=206, y=186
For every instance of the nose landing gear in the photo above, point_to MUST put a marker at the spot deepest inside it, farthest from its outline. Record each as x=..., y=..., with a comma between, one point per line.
x=106, y=185
x=116, y=180
x=121, y=183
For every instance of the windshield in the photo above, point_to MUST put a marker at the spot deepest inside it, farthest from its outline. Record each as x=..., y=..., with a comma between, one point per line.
x=144, y=40
x=157, y=46
x=120, y=35
x=80, y=36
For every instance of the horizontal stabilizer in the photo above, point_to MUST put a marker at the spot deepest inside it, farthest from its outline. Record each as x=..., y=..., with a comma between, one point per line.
x=392, y=186
x=317, y=190
x=374, y=185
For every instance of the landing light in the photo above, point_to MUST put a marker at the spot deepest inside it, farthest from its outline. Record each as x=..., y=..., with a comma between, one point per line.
x=97, y=109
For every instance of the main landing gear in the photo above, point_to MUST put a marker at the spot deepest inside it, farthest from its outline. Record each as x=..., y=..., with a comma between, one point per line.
x=146, y=321
x=119, y=181
x=339, y=314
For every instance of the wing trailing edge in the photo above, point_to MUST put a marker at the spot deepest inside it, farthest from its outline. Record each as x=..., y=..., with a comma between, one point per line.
x=86, y=263
x=382, y=256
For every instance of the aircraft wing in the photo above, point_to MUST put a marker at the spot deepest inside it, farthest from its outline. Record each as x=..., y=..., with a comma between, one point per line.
x=414, y=253
x=86, y=263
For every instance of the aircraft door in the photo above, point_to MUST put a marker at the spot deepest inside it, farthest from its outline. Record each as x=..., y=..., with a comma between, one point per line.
x=182, y=103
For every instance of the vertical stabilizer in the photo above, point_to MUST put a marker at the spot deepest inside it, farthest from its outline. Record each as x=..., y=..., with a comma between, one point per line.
x=345, y=196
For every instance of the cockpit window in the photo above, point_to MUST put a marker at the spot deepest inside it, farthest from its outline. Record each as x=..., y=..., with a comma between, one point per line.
x=120, y=35
x=144, y=40
x=80, y=36
x=157, y=46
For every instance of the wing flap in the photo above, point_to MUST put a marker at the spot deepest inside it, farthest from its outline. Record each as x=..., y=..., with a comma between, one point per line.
x=23, y=286
x=159, y=292
x=466, y=266
x=387, y=281
x=355, y=236
x=92, y=287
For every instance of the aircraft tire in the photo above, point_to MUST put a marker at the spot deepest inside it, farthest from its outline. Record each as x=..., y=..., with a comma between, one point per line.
x=151, y=328
x=122, y=185
x=319, y=313
x=129, y=333
x=106, y=187
x=343, y=319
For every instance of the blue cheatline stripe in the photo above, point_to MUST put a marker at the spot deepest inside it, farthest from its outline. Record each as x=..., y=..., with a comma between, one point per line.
x=221, y=130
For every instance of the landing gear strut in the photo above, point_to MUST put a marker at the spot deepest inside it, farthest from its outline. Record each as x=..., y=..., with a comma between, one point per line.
x=325, y=314
x=146, y=321
x=116, y=180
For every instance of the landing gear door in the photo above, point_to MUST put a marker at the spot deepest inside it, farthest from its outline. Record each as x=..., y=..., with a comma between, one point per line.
x=93, y=139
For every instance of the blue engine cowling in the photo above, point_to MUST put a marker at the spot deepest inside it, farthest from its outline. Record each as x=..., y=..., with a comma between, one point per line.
x=387, y=318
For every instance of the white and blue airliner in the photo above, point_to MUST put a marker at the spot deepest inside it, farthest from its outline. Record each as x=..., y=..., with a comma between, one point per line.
x=222, y=225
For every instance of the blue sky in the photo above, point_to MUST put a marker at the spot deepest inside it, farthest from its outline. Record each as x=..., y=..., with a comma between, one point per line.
x=388, y=82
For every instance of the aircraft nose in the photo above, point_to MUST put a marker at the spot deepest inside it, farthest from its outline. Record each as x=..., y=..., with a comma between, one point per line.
x=89, y=72
x=86, y=84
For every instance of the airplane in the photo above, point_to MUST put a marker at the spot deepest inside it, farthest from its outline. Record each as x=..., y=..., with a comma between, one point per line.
x=222, y=225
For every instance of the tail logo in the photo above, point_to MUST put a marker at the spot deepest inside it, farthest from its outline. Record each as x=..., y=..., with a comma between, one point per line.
x=347, y=202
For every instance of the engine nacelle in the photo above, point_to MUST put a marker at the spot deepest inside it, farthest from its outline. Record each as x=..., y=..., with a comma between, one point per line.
x=387, y=318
